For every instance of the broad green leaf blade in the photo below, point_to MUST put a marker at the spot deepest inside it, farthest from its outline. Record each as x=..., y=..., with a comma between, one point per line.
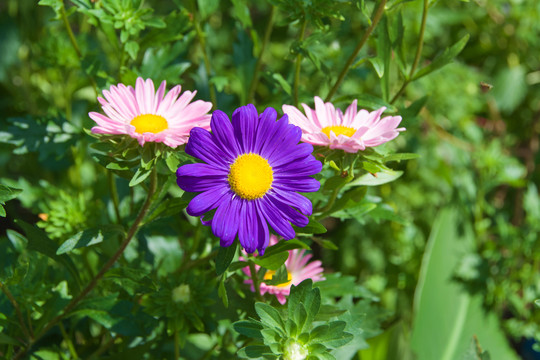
x=379, y=178
x=249, y=328
x=272, y=261
x=444, y=313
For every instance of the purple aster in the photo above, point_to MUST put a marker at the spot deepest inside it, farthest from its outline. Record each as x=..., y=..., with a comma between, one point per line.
x=252, y=170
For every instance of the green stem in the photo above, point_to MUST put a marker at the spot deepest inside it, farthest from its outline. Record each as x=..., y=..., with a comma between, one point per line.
x=258, y=65
x=176, y=345
x=114, y=196
x=11, y=298
x=73, y=40
x=298, y=62
x=68, y=341
x=255, y=280
x=376, y=18
x=418, y=53
x=202, y=42
x=131, y=233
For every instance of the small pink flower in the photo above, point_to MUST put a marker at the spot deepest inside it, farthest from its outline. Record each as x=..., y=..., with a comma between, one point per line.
x=150, y=116
x=298, y=269
x=351, y=132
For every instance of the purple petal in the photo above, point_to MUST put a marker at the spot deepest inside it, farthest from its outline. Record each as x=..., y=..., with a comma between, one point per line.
x=246, y=231
x=267, y=123
x=200, y=170
x=277, y=222
x=198, y=184
x=276, y=128
x=206, y=201
x=304, y=167
x=225, y=221
x=285, y=155
x=244, y=121
x=224, y=133
x=263, y=235
x=301, y=184
x=288, y=212
x=295, y=200
x=201, y=145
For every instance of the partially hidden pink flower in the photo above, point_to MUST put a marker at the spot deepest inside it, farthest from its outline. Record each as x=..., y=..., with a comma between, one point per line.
x=299, y=268
x=151, y=116
x=353, y=131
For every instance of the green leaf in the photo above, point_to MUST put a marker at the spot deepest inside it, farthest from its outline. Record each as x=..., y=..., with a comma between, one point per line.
x=269, y=316
x=475, y=352
x=271, y=261
x=255, y=352
x=444, y=312
x=401, y=156
x=6, y=339
x=334, y=336
x=169, y=207
x=7, y=193
x=139, y=176
x=249, y=328
x=222, y=292
x=379, y=178
x=285, y=86
x=225, y=257
x=38, y=241
x=313, y=227
x=443, y=59
x=90, y=237
x=384, y=53
x=310, y=297
x=241, y=12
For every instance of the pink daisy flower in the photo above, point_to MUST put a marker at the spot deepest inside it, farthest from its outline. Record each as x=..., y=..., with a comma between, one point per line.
x=298, y=269
x=353, y=131
x=150, y=116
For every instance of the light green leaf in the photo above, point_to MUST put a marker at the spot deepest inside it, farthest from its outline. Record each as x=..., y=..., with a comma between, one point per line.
x=444, y=312
x=445, y=58
x=379, y=178
x=269, y=316
x=90, y=237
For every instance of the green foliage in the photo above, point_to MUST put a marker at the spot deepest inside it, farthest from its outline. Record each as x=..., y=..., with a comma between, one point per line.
x=427, y=242
x=293, y=334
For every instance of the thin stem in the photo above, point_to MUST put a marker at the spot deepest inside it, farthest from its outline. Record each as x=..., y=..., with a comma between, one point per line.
x=418, y=53
x=9, y=295
x=73, y=41
x=376, y=18
x=114, y=196
x=258, y=65
x=298, y=62
x=131, y=233
x=202, y=42
x=176, y=345
x=255, y=280
x=68, y=341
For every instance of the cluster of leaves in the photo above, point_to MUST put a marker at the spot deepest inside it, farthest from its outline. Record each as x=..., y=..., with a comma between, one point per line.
x=476, y=149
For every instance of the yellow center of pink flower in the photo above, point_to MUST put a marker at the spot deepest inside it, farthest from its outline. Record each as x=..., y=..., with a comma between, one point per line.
x=250, y=176
x=339, y=130
x=270, y=273
x=149, y=123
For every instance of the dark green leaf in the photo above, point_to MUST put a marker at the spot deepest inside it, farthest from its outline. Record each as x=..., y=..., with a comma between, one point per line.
x=249, y=328
x=224, y=257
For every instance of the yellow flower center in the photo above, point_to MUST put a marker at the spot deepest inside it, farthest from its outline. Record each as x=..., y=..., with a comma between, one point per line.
x=250, y=176
x=270, y=273
x=339, y=130
x=149, y=123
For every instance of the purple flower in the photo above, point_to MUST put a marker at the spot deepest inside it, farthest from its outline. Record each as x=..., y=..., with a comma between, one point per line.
x=252, y=171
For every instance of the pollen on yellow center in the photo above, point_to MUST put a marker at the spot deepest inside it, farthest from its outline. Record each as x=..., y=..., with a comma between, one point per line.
x=149, y=123
x=250, y=176
x=339, y=130
x=270, y=273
